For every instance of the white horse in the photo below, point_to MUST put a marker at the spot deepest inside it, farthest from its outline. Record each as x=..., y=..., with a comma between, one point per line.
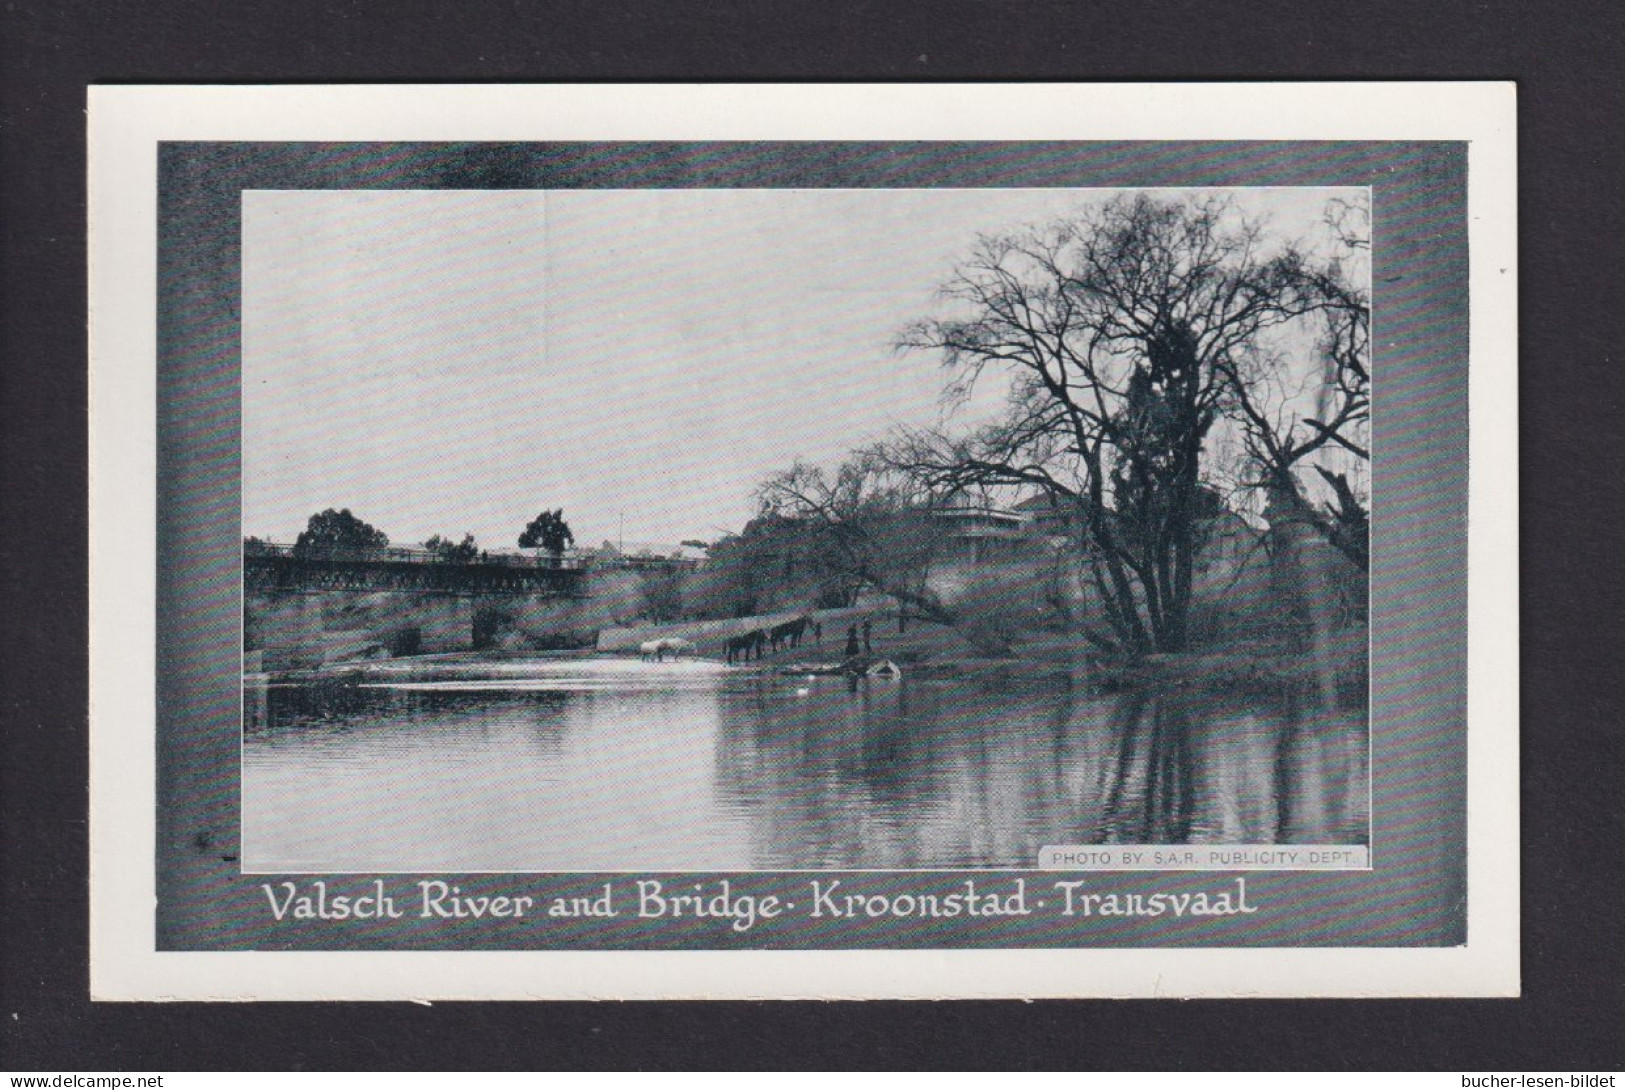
x=656, y=650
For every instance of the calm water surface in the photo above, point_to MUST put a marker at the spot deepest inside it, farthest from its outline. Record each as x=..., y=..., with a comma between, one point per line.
x=617, y=765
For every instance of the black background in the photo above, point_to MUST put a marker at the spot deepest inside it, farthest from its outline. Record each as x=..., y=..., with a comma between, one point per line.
x=1569, y=61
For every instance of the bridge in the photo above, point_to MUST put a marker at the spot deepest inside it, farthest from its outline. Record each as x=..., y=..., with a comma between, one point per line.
x=305, y=606
x=268, y=568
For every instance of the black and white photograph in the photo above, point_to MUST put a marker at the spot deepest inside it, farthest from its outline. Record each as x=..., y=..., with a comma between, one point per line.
x=805, y=529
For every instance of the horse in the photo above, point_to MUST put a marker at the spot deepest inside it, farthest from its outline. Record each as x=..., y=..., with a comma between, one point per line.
x=655, y=650
x=797, y=629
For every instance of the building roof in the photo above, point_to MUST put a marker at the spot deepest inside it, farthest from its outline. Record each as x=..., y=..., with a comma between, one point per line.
x=664, y=549
x=1038, y=501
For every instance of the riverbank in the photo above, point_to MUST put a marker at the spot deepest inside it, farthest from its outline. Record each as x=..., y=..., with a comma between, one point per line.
x=937, y=652
x=933, y=652
x=711, y=636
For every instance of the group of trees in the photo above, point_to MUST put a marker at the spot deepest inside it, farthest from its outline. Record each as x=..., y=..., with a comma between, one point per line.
x=821, y=538
x=861, y=526
x=447, y=551
x=1137, y=341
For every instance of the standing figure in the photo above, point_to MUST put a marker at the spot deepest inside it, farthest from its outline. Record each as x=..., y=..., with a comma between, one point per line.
x=868, y=626
x=818, y=633
x=852, y=647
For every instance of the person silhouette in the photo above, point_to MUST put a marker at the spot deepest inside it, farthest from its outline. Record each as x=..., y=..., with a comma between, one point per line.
x=868, y=626
x=852, y=641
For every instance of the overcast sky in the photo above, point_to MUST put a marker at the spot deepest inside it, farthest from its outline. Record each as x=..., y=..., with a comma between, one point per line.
x=454, y=361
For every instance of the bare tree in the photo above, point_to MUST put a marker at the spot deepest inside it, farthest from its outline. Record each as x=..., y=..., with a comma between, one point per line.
x=1114, y=329
x=1287, y=427
x=863, y=525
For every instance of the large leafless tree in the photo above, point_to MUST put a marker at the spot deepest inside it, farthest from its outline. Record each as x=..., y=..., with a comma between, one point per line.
x=1119, y=331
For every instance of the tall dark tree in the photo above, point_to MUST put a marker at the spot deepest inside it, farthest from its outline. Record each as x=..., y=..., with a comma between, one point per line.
x=1113, y=329
x=330, y=530
x=548, y=531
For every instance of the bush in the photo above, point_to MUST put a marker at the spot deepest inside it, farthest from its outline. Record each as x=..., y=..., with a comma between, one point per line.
x=994, y=610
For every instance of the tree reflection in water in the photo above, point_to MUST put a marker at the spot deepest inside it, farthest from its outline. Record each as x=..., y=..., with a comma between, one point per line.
x=939, y=775
x=731, y=771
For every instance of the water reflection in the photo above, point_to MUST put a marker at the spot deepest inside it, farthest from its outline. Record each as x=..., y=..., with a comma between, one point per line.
x=720, y=771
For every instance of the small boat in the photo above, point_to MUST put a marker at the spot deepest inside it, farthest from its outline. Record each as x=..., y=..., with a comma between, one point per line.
x=856, y=666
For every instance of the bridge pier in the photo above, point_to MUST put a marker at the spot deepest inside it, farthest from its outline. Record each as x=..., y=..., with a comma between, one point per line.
x=302, y=629
x=288, y=628
x=303, y=610
x=444, y=622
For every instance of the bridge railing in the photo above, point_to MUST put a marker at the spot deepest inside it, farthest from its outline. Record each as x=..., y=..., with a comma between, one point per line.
x=405, y=554
x=664, y=563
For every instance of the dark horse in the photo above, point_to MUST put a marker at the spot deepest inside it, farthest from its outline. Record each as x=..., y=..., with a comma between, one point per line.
x=788, y=634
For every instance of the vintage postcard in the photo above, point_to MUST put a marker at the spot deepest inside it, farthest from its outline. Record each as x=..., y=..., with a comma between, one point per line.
x=911, y=541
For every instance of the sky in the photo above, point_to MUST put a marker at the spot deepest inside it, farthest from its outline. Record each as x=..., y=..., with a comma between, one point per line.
x=451, y=362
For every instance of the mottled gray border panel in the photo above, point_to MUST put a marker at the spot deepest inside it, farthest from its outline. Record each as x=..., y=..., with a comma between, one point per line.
x=1414, y=896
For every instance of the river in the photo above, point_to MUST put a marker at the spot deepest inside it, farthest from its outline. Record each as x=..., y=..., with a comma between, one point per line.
x=615, y=765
